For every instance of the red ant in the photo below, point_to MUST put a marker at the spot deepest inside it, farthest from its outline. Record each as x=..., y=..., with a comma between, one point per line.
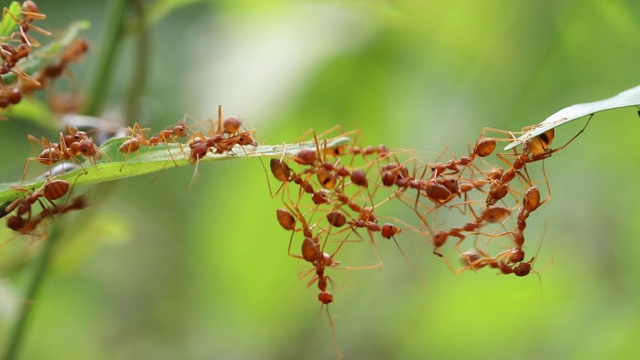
x=200, y=145
x=30, y=13
x=534, y=149
x=510, y=261
x=491, y=214
x=138, y=139
x=51, y=190
x=54, y=153
x=9, y=95
x=10, y=57
x=282, y=172
x=314, y=254
x=28, y=225
x=483, y=148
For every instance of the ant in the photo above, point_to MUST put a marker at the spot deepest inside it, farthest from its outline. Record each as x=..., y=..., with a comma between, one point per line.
x=30, y=12
x=282, y=172
x=28, y=225
x=9, y=95
x=534, y=149
x=165, y=136
x=439, y=190
x=28, y=84
x=200, y=144
x=10, y=57
x=503, y=261
x=483, y=148
x=491, y=214
x=51, y=190
x=321, y=260
x=510, y=261
x=54, y=153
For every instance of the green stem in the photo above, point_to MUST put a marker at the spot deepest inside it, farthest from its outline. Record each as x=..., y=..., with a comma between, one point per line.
x=139, y=78
x=16, y=336
x=106, y=62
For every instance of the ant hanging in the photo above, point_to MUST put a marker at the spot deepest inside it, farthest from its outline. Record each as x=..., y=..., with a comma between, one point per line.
x=534, y=149
x=510, y=261
x=491, y=214
x=51, y=190
x=27, y=226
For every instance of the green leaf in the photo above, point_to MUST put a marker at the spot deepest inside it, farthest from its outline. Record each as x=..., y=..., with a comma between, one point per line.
x=8, y=24
x=148, y=160
x=627, y=98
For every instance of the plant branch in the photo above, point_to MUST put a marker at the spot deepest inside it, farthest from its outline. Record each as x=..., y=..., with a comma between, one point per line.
x=16, y=336
x=139, y=78
x=152, y=159
x=106, y=62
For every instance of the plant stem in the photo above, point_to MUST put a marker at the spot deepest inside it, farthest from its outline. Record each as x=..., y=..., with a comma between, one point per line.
x=16, y=336
x=139, y=78
x=106, y=62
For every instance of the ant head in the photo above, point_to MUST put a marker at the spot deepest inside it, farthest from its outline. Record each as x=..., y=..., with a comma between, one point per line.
x=439, y=238
x=180, y=131
x=389, y=230
x=451, y=184
x=524, y=268
x=359, y=178
x=337, y=151
x=246, y=140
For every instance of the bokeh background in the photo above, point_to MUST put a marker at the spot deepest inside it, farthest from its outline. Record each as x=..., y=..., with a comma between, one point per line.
x=163, y=270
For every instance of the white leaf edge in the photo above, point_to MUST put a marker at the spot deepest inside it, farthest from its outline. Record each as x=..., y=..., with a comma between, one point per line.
x=630, y=97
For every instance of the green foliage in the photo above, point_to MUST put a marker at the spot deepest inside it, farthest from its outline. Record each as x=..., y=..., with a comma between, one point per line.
x=9, y=23
x=208, y=264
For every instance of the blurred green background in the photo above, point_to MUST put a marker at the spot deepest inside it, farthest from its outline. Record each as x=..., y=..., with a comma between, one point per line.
x=203, y=272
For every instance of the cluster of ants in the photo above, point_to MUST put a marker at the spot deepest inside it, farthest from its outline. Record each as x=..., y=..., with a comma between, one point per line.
x=17, y=48
x=74, y=147
x=26, y=221
x=220, y=139
x=331, y=196
x=56, y=156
